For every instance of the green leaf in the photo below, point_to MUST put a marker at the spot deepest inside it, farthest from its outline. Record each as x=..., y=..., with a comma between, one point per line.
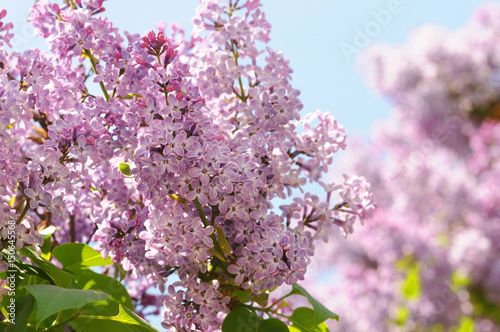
x=320, y=311
x=482, y=304
x=273, y=325
x=120, y=271
x=60, y=277
x=402, y=316
x=411, y=286
x=125, y=321
x=224, y=244
x=125, y=169
x=52, y=299
x=24, y=306
x=304, y=320
x=242, y=295
x=466, y=325
x=76, y=255
x=35, y=280
x=87, y=279
x=34, y=271
x=216, y=254
x=47, y=246
x=246, y=296
x=437, y=328
x=459, y=280
x=4, y=327
x=242, y=320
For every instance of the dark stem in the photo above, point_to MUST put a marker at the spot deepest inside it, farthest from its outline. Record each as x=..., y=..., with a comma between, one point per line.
x=94, y=67
x=23, y=214
x=72, y=230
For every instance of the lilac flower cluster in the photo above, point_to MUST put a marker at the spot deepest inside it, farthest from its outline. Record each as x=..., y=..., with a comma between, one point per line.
x=420, y=77
x=173, y=168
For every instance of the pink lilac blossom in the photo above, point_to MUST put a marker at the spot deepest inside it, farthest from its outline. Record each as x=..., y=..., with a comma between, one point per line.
x=428, y=259
x=184, y=148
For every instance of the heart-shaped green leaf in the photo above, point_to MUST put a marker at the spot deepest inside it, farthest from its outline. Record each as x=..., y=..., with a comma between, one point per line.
x=321, y=312
x=272, y=325
x=240, y=319
x=304, y=320
x=52, y=299
x=243, y=320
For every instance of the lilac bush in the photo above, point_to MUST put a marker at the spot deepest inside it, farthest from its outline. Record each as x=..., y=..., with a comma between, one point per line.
x=166, y=152
x=428, y=260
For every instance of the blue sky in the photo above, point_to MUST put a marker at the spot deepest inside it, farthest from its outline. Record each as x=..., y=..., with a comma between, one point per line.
x=310, y=33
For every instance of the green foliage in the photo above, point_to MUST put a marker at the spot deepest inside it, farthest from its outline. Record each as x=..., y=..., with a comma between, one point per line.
x=243, y=320
x=483, y=306
x=60, y=277
x=24, y=307
x=466, y=325
x=247, y=296
x=124, y=168
x=224, y=244
x=125, y=321
x=320, y=311
x=411, y=286
x=76, y=255
x=88, y=279
x=273, y=325
x=216, y=254
x=48, y=298
x=46, y=248
x=52, y=299
x=402, y=316
x=240, y=319
x=304, y=320
x=459, y=280
x=437, y=328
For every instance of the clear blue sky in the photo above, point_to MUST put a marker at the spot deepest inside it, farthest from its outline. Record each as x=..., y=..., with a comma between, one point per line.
x=309, y=32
